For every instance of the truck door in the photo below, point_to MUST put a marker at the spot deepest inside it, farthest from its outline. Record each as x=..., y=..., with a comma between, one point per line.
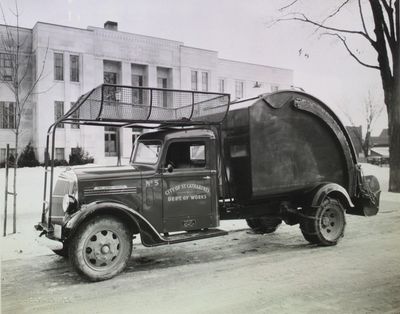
x=189, y=186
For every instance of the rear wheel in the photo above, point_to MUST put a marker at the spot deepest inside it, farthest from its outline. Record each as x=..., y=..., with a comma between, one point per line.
x=264, y=225
x=325, y=224
x=101, y=248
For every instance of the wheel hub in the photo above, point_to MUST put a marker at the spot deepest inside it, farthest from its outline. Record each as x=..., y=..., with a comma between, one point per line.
x=331, y=223
x=102, y=249
x=325, y=221
x=105, y=249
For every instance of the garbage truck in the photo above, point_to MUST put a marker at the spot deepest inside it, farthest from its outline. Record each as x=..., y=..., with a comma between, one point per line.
x=279, y=157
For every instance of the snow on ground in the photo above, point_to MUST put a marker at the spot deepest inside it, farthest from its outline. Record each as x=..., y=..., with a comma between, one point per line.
x=25, y=243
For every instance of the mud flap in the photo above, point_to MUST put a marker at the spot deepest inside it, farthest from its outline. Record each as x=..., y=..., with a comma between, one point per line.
x=367, y=200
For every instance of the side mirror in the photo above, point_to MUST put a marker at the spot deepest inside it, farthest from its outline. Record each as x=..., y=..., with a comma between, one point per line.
x=169, y=168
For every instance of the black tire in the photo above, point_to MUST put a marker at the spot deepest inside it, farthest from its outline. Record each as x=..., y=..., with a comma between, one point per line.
x=101, y=248
x=324, y=225
x=264, y=225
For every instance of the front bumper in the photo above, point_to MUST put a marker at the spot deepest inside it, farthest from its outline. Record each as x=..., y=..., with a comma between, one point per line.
x=53, y=233
x=49, y=240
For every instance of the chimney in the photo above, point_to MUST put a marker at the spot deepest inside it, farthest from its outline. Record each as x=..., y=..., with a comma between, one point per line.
x=113, y=26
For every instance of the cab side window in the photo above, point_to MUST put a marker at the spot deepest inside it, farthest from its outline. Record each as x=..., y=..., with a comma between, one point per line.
x=183, y=155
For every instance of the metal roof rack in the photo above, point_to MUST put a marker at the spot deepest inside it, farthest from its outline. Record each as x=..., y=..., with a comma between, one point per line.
x=120, y=105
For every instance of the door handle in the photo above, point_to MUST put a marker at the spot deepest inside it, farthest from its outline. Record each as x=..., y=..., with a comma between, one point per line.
x=207, y=177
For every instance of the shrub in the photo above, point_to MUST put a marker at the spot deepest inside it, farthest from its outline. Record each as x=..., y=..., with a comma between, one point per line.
x=60, y=162
x=57, y=163
x=27, y=157
x=11, y=160
x=79, y=156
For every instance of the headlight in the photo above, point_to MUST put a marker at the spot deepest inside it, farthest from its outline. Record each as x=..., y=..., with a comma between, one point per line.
x=69, y=203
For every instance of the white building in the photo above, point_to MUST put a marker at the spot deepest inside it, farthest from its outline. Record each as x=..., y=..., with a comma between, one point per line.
x=77, y=60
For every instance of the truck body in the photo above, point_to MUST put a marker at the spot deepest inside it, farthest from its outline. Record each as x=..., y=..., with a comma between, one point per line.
x=283, y=156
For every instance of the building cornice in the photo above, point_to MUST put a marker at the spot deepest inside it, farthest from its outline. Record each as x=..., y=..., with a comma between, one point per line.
x=61, y=26
x=255, y=64
x=126, y=36
x=202, y=49
x=13, y=26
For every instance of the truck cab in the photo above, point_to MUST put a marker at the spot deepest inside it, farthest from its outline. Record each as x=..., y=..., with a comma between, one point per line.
x=179, y=177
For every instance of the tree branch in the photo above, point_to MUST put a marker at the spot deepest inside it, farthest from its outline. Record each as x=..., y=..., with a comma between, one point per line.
x=38, y=78
x=389, y=33
x=381, y=47
x=389, y=11
x=362, y=19
x=288, y=5
x=389, y=38
x=303, y=18
x=343, y=40
x=27, y=68
x=336, y=11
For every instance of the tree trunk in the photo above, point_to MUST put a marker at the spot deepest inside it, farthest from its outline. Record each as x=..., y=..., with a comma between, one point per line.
x=394, y=140
x=15, y=182
x=366, y=144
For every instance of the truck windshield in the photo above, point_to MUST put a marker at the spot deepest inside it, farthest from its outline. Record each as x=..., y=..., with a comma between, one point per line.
x=147, y=152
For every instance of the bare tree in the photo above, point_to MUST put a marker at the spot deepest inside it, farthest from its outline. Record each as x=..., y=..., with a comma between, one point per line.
x=17, y=72
x=372, y=111
x=385, y=42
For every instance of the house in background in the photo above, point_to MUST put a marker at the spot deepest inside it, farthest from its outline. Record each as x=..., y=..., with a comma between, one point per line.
x=379, y=150
x=77, y=60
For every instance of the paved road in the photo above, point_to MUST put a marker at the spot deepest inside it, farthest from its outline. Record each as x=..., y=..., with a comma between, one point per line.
x=238, y=273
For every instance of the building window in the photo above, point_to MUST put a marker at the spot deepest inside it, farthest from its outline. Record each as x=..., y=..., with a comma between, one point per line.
x=204, y=81
x=3, y=153
x=221, y=85
x=76, y=150
x=74, y=68
x=58, y=66
x=75, y=115
x=58, y=112
x=7, y=115
x=6, y=67
x=137, y=94
x=110, y=91
x=110, y=141
x=164, y=80
x=194, y=80
x=162, y=95
x=60, y=154
x=239, y=87
x=274, y=88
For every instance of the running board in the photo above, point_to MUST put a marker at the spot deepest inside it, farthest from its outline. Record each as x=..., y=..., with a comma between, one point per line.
x=193, y=235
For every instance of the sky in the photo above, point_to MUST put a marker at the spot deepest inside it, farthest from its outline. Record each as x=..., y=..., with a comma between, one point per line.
x=240, y=30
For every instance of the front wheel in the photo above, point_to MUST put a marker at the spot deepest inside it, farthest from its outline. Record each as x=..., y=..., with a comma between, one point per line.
x=101, y=248
x=325, y=224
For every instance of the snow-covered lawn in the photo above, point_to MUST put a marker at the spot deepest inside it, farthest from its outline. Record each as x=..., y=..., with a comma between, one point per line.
x=25, y=242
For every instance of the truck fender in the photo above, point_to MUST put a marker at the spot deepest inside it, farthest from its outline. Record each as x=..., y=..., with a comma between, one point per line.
x=333, y=190
x=149, y=235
